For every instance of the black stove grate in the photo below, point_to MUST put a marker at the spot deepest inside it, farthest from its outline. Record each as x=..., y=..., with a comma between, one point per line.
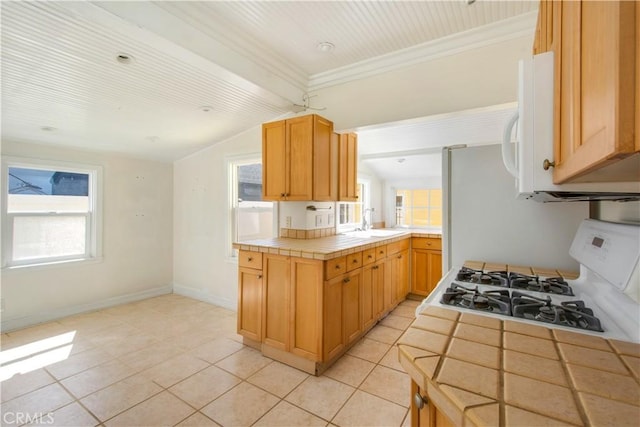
x=569, y=313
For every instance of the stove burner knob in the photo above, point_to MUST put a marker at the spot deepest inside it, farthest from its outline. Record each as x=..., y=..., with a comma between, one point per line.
x=419, y=401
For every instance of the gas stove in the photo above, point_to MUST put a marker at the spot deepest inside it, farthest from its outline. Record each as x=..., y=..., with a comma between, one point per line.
x=603, y=300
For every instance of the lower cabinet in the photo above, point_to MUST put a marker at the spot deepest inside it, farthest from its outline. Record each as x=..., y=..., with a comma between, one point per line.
x=423, y=412
x=342, y=320
x=426, y=265
x=292, y=305
x=250, y=303
x=400, y=275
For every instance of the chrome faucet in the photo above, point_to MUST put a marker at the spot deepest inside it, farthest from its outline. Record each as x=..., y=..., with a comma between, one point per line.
x=365, y=224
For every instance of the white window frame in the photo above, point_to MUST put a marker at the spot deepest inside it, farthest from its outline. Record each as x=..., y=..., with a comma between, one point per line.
x=93, y=218
x=232, y=163
x=365, y=202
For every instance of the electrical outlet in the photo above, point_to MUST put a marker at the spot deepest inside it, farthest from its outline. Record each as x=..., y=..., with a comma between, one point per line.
x=318, y=220
x=287, y=221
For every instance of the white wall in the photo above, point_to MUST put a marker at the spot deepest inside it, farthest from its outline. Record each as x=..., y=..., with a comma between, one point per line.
x=201, y=264
x=618, y=211
x=136, y=251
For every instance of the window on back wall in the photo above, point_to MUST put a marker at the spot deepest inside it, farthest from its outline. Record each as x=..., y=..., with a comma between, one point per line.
x=251, y=217
x=419, y=208
x=350, y=213
x=49, y=214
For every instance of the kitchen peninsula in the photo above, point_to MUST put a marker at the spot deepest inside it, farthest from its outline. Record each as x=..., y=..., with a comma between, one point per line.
x=305, y=302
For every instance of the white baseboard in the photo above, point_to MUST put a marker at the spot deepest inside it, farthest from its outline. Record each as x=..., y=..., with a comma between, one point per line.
x=21, y=322
x=201, y=296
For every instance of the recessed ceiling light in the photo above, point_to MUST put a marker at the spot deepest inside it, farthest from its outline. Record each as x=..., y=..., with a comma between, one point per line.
x=48, y=128
x=206, y=108
x=325, y=47
x=124, y=58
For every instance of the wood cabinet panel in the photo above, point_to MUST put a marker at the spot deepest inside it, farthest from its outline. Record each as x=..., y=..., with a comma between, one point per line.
x=250, y=303
x=427, y=414
x=367, y=290
x=402, y=275
x=274, y=159
x=335, y=267
x=378, y=286
x=426, y=270
x=348, y=167
x=333, y=341
x=351, y=307
x=354, y=261
x=381, y=252
x=299, y=159
x=426, y=243
x=368, y=256
x=276, y=301
x=594, y=75
x=306, y=308
x=250, y=259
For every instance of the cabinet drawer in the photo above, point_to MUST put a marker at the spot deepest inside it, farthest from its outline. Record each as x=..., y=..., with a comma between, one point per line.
x=368, y=256
x=395, y=247
x=381, y=252
x=335, y=267
x=354, y=261
x=250, y=259
x=426, y=243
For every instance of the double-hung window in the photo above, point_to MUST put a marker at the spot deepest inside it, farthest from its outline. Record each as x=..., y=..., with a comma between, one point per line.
x=49, y=212
x=251, y=217
x=419, y=208
x=350, y=214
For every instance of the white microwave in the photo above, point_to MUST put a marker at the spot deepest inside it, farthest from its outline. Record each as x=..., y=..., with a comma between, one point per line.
x=534, y=143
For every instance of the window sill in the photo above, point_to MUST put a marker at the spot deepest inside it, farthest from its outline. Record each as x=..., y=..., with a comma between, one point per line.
x=49, y=265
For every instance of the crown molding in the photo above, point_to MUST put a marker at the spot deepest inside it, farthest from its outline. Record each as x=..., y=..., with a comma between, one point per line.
x=516, y=27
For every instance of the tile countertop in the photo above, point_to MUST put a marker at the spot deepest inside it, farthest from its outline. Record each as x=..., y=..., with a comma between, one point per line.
x=330, y=247
x=484, y=371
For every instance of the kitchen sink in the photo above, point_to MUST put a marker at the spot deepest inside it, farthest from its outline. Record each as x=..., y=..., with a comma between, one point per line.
x=373, y=233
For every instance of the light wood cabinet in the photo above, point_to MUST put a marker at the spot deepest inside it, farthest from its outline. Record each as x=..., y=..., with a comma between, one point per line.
x=423, y=412
x=250, y=300
x=368, y=288
x=299, y=159
x=401, y=275
x=342, y=308
x=292, y=305
x=426, y=265
x=348, y=169
x=595, y=78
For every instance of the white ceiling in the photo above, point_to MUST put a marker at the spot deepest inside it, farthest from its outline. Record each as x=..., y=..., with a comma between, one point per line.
x=246, y=62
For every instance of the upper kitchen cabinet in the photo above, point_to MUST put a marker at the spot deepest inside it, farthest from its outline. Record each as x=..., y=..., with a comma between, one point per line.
x=348, y=181
x=299, y=158
x=595, y=46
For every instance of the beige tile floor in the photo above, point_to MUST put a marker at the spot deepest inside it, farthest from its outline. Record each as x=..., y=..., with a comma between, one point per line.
x=172, y=360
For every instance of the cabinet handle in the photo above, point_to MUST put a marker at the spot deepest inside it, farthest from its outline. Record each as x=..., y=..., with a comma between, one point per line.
x=381, y=252
x=346, y=279
x=250, y=259
x=547, y=164
x=419, y=400
x=282, y=194
x=338, y=267
x=259, y=276
x=399, y=256
x=370, y=256
x=355, y=261
x=375, y=267
x=428, y=243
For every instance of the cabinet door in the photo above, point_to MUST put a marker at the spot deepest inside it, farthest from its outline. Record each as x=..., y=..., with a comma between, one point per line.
x=378, y=289
x=306, y=308
x=594, y=119
x=434, y=269
x=351, y=306
x=299, y=170
x=276, y=297
x=367, y=290
x=274, y=155
x=250, y=303
x=348, y=171
x=333, y=342
x=402, y=272
x=419, y=272
x=389, y=283
x=325, y=160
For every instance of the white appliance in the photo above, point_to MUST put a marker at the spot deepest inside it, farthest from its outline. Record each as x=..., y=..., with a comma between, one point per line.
x=482, y=219
x=608, y=285
x=535, y=142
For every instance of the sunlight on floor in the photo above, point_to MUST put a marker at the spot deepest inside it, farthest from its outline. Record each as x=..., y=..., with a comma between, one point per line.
x=35, y=355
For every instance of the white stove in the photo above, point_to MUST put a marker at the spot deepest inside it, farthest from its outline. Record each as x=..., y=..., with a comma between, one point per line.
x=603, y=301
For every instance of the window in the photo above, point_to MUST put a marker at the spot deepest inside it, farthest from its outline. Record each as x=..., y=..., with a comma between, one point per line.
x=350, y=213
x=50, y=213
x=419, y=208
x=251, y=217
